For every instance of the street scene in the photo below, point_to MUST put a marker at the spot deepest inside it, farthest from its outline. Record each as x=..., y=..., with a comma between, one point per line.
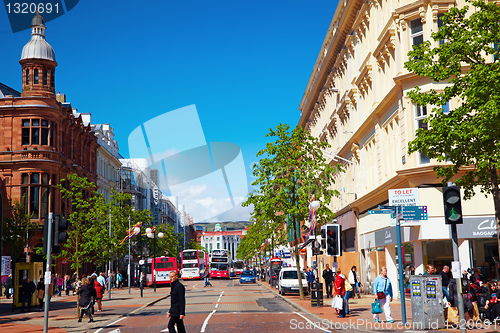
x=319, y=166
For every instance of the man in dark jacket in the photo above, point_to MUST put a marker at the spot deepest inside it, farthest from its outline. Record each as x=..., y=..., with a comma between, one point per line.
x=177, y=304
x=8, y=285
x=328, y=277
x=27, y=291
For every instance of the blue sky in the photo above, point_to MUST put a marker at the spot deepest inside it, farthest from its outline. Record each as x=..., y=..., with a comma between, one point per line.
x=243, y=64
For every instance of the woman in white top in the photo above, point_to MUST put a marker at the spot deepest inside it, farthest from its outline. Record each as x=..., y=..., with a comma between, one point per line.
x=354, y=280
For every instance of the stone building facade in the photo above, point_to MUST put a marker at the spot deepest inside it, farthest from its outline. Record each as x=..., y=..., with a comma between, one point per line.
x=42, y=140
x=357, y=100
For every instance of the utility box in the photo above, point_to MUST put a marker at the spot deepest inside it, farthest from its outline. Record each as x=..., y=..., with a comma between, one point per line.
x=427, y=308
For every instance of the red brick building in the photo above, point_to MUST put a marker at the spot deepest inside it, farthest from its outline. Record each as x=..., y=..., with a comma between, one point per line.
x=42, y=141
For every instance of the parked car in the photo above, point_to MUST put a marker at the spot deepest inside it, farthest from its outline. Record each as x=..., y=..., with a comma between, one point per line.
x=288, y=281
x=247, y=277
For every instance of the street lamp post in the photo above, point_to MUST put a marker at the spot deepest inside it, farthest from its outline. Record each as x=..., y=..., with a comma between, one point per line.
x=151, y=234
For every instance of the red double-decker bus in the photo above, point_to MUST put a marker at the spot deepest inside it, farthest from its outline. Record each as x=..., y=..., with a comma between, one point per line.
x=193, y=264
x=161, y=268
x=219, y=264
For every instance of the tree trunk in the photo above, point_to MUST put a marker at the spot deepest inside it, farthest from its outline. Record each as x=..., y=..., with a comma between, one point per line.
x=297, y=259
x=496, y=201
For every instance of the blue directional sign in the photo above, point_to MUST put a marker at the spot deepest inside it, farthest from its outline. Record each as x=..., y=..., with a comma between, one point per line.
x=382, y=211
x=414, y=212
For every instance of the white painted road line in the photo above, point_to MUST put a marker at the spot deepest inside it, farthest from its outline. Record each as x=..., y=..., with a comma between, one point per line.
x=110, y=324
x=315, y=326
x=206, y=321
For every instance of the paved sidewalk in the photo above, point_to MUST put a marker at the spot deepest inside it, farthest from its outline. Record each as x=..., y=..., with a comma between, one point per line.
x=63, y=313
x=360, y=318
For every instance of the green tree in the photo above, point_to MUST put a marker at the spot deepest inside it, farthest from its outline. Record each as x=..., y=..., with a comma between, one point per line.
x=465, y=56
x=86, y=204
x=16, y=227
x=291, y=169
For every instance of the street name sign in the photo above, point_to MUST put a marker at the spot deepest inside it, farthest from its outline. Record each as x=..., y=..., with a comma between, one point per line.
x=414, y=213
x=383, y=211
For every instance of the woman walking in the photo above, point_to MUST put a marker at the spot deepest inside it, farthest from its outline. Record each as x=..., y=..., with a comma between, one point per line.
x=99, y=295
x=40, y=293
x=383, y=292
x=354, y=281
x=86, y=294
x=340, y=290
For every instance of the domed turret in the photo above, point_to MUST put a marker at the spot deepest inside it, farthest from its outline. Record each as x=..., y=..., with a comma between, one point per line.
x=38, y=61
x=37, y=47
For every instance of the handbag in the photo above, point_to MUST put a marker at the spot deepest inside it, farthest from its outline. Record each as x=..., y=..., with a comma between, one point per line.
x=11, y=291
x=376, y=308
x=452, y=315
x=338, y=302
x=381, y=294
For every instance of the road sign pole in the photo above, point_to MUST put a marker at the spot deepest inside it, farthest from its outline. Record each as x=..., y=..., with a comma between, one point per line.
x=456, y=258
x=48, y=275
x=400, y=267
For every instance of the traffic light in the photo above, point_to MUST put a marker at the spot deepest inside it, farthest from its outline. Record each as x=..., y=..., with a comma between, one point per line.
x=333, y=239
x=45, y=233
x=323, y=237
x=452, y=205
x=60, y=232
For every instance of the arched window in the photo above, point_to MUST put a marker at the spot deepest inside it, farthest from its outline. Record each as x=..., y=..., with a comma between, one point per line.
x=27, y=76
x=52, y=80
x=44, y=77
x=35, y=80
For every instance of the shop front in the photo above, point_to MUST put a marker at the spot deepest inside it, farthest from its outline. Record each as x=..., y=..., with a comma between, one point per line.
x=481, y=234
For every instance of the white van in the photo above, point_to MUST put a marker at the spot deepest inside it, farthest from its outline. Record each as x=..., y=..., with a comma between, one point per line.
x=288, y=282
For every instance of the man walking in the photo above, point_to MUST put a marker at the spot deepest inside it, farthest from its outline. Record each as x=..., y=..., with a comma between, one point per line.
x=8, y=286
x=177, y=304
x=207, y=276
x=328, y=277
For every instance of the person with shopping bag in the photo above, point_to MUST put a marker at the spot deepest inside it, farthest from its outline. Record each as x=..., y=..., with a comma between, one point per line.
x=383, y=293
x=340, y=292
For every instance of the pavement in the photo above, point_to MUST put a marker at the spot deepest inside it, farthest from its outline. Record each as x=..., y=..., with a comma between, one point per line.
x=63, y=313
x=360, y=318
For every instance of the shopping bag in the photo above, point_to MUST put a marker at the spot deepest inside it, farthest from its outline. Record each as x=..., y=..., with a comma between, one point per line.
x=376, y=308
x=474, y=313
x=452, y=317
x=338, y=302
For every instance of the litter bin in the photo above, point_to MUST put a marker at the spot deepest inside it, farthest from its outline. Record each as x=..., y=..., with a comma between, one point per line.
x=317, y=294
x=427, y=307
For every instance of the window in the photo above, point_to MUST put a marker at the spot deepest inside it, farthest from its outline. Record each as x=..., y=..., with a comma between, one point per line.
x=37, y=131
x=35, y=79
x=417, y=33
x=446, y=107
x=44, y=77
x=440, y=24
x=420, y=115
x=27, y=76
x=36, y=192
x=52, y=81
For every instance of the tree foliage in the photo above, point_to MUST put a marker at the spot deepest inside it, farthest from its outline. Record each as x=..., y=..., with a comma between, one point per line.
x=290, y=171
x=16, y=226
x=466, y=57
x=85, y=206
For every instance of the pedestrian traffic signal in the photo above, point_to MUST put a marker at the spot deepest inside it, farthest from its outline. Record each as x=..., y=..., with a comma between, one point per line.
x=333, y=239
x=452, y=205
